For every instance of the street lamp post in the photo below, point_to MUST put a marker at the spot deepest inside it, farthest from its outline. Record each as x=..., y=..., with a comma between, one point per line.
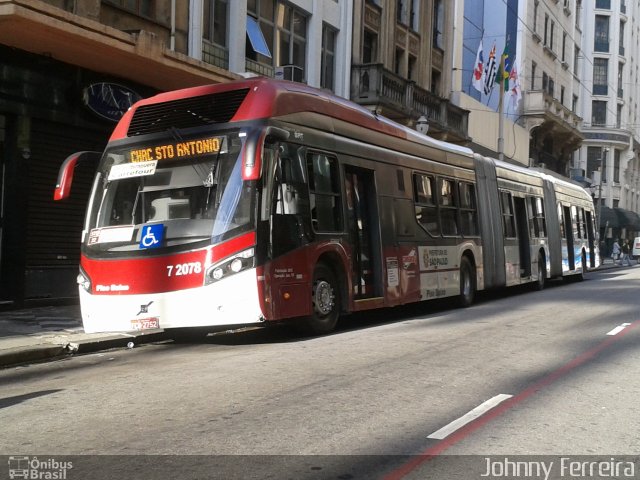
x=603, y=158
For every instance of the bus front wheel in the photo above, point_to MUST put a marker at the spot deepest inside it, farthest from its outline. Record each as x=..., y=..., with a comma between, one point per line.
x=325, y=303
x=467, y=283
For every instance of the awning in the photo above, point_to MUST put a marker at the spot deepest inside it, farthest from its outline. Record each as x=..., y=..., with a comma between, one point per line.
x=619, y=218
x=628, y=218
x=609, y=218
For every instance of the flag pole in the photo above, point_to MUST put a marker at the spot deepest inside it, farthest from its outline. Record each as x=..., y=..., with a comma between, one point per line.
x=500, y=112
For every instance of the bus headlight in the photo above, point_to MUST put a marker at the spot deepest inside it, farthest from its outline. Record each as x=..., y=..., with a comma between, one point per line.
x=84, y=281
x=217, y=274
x=236, y=265
x=229, y=266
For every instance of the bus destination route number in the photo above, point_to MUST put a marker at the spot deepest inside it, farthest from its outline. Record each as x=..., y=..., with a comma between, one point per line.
x=178, y=150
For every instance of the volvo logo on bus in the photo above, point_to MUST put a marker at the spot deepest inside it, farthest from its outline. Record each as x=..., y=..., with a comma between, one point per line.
x=144, y=308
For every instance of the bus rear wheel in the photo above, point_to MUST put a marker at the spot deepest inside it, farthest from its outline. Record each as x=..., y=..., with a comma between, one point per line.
x=467, y=283
x=584, y=269
x=542, y=273
x=325, y=303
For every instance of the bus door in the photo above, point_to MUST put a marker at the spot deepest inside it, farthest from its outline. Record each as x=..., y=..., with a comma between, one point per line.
x=4, y=295
x=524, y=242
x=591, y=239
x=568, y=230
x=363, y=229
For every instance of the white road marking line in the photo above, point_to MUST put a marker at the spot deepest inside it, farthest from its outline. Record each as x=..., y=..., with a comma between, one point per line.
x=618, y=329
x=469, y=417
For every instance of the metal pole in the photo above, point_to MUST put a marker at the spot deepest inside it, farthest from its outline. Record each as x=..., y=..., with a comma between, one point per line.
x=602, y=160
x=500, y=112
x=600, y=205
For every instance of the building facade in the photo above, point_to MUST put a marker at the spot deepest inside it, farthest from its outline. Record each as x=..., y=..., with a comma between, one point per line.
x=483, y=28
x=608, y=162
x=401, y=63
x=540, y=39
x=577, y=69
x=300, y=40
x=552, y=113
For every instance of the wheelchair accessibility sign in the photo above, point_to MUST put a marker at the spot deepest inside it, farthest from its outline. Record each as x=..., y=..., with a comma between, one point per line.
x=152, y=236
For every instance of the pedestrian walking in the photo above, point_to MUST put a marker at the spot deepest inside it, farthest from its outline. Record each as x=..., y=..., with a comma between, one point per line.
x=626, y=249
x=615, y=252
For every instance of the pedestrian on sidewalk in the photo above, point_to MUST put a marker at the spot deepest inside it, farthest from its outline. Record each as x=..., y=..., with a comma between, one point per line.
x=615, y=252
x=626, y=249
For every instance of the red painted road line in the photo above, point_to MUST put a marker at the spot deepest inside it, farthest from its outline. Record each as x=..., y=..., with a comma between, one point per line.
x=471, y=427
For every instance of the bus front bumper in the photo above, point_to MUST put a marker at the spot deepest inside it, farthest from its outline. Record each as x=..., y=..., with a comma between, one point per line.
x=232, y=301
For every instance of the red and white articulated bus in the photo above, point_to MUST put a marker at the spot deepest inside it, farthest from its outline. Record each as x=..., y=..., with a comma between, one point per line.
x=259, y=201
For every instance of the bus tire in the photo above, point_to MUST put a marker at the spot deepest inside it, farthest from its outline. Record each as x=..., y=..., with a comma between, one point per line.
x=467, y=283
x=583, y=270
x=325, y=303
x=542, y=273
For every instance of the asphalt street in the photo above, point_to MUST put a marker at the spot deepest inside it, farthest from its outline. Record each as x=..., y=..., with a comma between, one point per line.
x=556, y=372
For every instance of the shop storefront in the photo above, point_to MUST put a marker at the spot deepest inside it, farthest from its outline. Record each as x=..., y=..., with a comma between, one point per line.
x=65, y=78
x=617, y=224
x=48, y=110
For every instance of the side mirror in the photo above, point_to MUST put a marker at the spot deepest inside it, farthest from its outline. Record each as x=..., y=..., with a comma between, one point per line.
x=65, y=175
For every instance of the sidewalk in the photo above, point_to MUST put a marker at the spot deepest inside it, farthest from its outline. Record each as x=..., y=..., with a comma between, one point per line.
x=43, y=333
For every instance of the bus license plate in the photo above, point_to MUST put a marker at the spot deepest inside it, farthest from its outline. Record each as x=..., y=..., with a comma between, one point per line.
x=145, y=323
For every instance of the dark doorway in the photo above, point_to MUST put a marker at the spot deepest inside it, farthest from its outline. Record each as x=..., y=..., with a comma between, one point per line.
x=568, y=228
x=524, y=243
x=362, y=214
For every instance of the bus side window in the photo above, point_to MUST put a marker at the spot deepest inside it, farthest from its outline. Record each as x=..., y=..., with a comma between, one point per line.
x=508, y=219
x=531, y=217
x=424, y=197
x=291, y=195
x=448, y=207
x=575, y=222
x=324, y=192
x=468, y=209
x=582, y=226
x=541, y=221
x=561, y=220
x=537, y=221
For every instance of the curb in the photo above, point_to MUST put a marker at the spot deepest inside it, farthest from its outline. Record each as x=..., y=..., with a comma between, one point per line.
x=21, y=355
x=39, y=353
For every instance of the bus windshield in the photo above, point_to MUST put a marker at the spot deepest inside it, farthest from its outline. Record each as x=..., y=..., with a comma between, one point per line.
x=168, y=194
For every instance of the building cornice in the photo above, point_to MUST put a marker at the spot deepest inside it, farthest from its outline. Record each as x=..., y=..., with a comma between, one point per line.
x=39, y=28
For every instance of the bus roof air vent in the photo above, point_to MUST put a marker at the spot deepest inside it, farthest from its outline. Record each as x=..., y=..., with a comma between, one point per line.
x=186, y=113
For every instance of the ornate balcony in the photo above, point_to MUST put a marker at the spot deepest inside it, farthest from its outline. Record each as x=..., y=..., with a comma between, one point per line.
x=556, y=130
x=403, y=101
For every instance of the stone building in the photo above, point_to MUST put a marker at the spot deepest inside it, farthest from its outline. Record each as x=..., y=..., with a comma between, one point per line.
x=401, y=56
x=608, y=163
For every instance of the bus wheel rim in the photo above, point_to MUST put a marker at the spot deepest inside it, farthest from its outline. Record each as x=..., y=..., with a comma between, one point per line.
x=323, y=297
